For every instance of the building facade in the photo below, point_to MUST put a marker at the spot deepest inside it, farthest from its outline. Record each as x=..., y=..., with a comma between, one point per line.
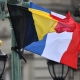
x=36, y=67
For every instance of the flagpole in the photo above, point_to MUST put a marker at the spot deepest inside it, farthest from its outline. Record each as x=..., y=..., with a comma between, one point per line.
x=15, y=58
x=25, y=3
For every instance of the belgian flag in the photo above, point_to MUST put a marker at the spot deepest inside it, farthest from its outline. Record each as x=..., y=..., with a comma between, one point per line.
x=29, y=24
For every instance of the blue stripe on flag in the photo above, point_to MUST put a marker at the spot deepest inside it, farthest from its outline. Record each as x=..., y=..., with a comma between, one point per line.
x=37, y=47
x=34, y=6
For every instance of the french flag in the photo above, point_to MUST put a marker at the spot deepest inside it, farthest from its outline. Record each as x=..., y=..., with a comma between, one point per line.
x=62, y=45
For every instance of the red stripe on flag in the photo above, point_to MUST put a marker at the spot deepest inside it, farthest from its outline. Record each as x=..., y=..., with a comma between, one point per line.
x=70, y=57
x=67, y=24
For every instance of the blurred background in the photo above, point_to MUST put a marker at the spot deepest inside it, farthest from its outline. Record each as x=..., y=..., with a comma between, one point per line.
x=36, y=66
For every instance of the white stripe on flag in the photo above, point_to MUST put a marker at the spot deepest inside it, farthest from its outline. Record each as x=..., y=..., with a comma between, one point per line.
x=58, y=15
x=56, y=45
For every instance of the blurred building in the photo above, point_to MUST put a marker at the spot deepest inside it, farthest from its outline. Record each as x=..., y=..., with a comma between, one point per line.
x=36, y=66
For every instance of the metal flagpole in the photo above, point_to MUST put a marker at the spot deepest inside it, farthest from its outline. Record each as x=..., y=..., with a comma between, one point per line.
x=15, y=58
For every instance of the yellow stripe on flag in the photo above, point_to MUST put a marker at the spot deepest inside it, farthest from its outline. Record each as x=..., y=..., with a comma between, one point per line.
x=43, y=22
x=52, y=27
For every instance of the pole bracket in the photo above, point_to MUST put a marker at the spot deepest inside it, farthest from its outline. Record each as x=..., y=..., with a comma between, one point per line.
x=19, y=51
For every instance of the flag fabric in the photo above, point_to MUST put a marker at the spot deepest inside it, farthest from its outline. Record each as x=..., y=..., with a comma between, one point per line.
x=29, y=24
x=20, y=18
x=68, y=22
x=59, y=47
x=46, y=34
x=34, y=6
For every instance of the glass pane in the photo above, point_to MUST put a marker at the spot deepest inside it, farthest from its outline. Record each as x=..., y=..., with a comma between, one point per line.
x=58, y=70
x=65, y=70
x=51, y=70
x=1, y=66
